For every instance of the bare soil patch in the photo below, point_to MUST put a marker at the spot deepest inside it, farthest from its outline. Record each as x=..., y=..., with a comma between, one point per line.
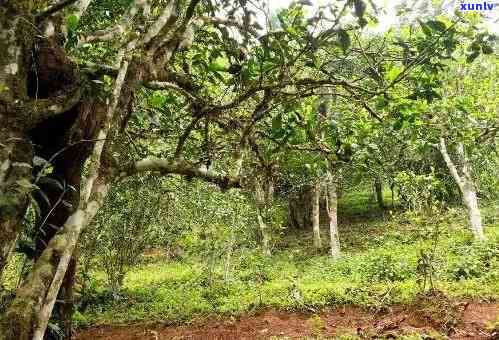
x=467, y=320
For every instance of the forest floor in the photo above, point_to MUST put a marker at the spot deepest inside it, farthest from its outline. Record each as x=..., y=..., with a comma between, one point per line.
x=373, y=292
x=470, y=320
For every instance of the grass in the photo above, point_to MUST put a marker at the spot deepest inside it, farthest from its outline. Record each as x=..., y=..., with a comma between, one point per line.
x=381, y=265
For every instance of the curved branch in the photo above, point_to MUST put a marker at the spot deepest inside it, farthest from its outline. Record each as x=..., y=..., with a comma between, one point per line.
x=178, y=167
x=165, y=85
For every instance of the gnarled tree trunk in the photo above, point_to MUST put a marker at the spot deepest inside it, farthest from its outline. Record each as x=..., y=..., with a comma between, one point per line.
x=37, y=84
x=16, y=153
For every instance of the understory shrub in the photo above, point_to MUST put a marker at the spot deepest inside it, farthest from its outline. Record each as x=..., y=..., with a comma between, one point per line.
x=388, y=267
x=473, y=260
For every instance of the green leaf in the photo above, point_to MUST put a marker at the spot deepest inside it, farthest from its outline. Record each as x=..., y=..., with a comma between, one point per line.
x=72, y=22
x=437, y=25
x=158, y=100
x=277, y=123
x=426, y=29
x=393, y=73
x=219, y=76
x=398, y=124
x=219, y=64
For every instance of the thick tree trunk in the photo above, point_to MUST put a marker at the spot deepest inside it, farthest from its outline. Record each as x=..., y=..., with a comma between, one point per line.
x=316, y=194
x=61, y=193
x=16, y=153
x=28, y=315
x=467, y=187
x=332, y=211
x=29, y=76
x=23, y=110
x=31, y=309
x=15, y=176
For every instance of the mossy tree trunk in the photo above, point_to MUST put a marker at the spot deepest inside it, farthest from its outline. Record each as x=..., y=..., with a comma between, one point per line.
x=41, y=115
x=15, y=148
x=37, y=84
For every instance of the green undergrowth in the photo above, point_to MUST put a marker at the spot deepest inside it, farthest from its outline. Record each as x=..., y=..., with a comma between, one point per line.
x=385, y=261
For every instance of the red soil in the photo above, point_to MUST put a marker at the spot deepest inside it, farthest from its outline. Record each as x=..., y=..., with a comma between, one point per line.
x=469, y=321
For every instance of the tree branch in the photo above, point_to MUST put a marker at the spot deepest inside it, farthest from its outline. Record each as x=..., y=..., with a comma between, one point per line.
x=168, y=13
x=189, y=13
x=120, y=29
x=450, y=164
x=165, y=85
x=98, y=69
x=254, y=90
x=53, y=9
x=178, y=167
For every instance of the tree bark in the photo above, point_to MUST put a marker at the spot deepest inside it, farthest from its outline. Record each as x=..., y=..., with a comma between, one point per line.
x=15, y=175
x=466, y=186
x=264, y=192
x=67, y=297
x=264, y=230
x=332, y=211
x=16, y=152
x=316, y=194
x=29, y=313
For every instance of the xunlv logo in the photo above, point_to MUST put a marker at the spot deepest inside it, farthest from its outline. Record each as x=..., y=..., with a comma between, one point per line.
x=485, y=6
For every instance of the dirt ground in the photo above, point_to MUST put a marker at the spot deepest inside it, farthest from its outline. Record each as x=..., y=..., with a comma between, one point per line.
x=467, y=320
